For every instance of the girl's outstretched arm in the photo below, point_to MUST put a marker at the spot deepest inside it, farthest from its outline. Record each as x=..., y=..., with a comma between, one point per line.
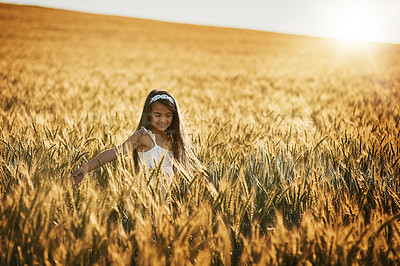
x=108, y=156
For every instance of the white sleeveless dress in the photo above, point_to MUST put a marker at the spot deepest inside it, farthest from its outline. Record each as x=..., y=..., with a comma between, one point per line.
x=151, y=159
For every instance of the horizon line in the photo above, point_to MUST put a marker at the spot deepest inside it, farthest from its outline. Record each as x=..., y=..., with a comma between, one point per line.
x=294, y=34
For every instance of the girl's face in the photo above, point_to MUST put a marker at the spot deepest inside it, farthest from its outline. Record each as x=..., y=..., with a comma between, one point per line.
x=161, y=117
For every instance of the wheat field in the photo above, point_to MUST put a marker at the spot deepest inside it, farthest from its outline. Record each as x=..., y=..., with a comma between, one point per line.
x=298, y=137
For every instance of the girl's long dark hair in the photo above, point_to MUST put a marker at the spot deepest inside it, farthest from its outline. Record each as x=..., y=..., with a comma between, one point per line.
x=175, y=130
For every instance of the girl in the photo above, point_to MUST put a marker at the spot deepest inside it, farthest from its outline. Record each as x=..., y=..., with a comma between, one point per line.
x=159, y=139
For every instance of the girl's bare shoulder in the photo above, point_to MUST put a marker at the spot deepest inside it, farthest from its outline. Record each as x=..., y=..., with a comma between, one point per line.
x=142, y=137
x=138, y=135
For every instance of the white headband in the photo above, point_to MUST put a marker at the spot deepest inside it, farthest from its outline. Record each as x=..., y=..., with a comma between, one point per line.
x=161, y=96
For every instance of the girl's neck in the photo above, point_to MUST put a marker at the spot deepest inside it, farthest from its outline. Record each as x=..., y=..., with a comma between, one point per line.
x=157, y=132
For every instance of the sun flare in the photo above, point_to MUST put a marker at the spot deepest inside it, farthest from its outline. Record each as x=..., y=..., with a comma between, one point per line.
x=354, y=21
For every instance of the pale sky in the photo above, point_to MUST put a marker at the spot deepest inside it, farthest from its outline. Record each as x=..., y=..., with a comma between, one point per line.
x=360, y=20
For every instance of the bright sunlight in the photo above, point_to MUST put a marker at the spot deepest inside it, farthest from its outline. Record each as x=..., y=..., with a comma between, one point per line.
x=354, y=21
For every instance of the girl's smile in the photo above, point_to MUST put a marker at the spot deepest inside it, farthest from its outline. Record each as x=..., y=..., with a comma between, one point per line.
x=161, y=117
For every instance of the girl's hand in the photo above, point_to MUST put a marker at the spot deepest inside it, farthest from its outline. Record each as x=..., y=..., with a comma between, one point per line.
x=78, y=176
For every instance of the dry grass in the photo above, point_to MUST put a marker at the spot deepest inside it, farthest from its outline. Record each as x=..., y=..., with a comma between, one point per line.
x=299, y=138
